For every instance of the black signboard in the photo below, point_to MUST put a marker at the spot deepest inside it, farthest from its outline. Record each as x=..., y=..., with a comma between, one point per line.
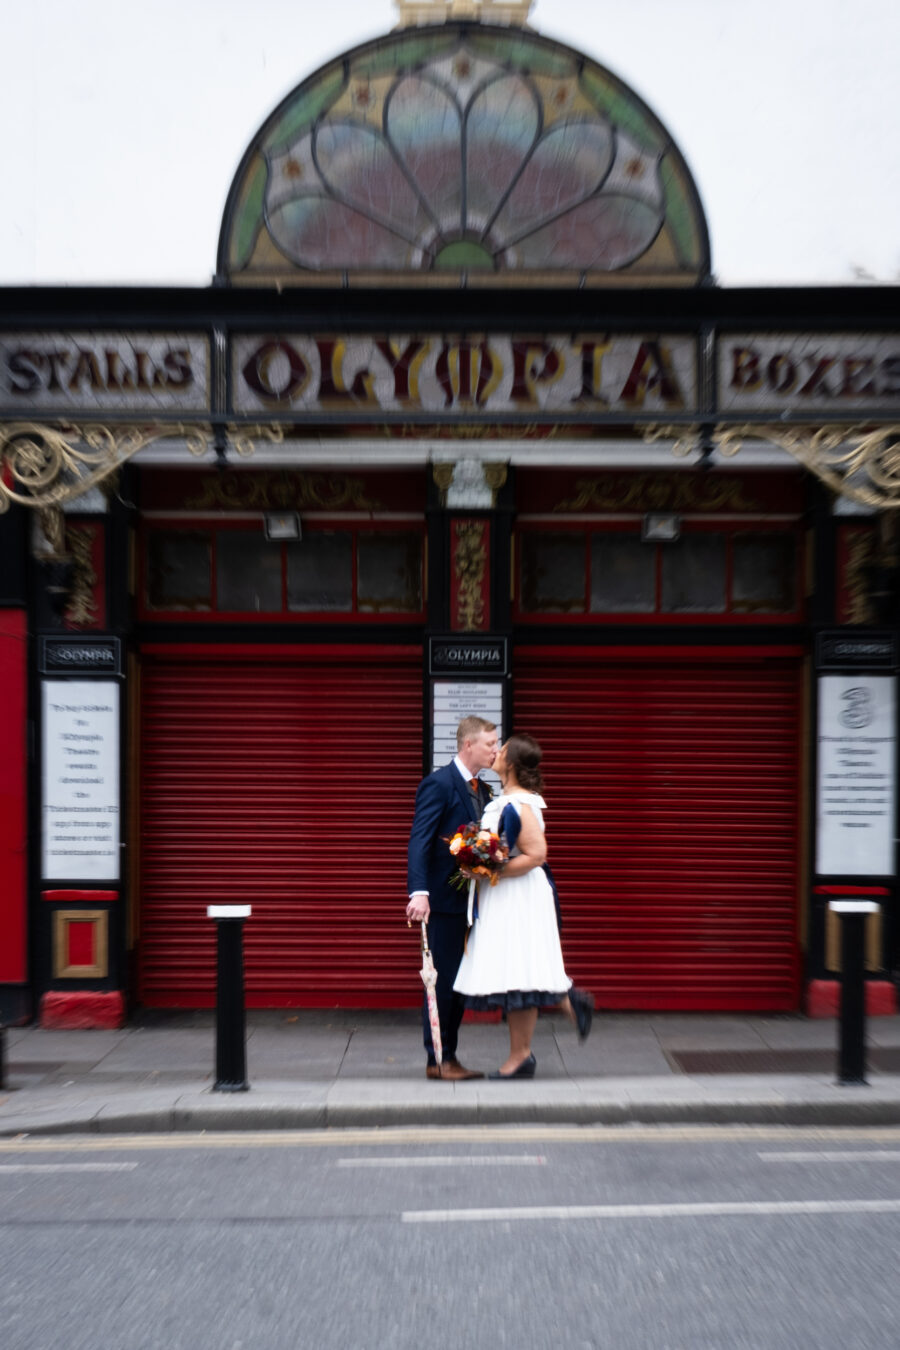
x=81, y=656
x=467, y=656
x=864, y=650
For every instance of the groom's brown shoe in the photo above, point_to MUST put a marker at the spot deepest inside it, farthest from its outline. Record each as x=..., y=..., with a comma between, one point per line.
x=452, y=1071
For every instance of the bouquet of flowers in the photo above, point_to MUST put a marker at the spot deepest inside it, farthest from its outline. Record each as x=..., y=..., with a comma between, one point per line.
x=481, y=852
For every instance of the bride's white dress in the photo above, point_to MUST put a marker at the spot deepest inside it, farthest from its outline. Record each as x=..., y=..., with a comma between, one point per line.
x=513, y=957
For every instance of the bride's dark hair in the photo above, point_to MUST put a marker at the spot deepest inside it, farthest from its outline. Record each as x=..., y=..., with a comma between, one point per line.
x=523, y=756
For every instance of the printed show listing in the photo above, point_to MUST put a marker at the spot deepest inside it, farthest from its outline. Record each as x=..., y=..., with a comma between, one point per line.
x=453, y=700
x=80, y=780
x=857, y=737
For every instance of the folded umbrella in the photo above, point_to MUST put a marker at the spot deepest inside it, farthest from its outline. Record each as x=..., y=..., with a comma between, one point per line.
x=429, y=979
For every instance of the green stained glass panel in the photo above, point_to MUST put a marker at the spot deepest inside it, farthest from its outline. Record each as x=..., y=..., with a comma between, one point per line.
x=458, y=163
x=249, y=215
x=310, y=102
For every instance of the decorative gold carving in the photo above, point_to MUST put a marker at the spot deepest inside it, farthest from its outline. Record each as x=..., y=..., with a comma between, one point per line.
x=470, y=567
x=45, y=466
x=284, y=490
x=494, y=476
x=443, y=477
x=860, y=555
x=862, y=463
x=53, y=528
x=414, y=13
x=449, y=431
x=82, y=606
x=658, y=492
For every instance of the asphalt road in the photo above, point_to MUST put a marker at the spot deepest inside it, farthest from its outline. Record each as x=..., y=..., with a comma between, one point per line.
x=638, y=1239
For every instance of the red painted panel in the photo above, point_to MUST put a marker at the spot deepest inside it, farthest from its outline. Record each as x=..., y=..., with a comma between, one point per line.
x=851, y=890
x=80, y=934
x=13, y=639
x=69, y=896
x=82, y=1010
x=288, y=785
x=673, y=823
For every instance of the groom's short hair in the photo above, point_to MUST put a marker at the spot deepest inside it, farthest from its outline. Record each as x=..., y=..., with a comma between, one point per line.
x=470, y=727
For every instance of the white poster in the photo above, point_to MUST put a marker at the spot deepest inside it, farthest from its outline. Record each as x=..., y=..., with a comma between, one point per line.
x=856, y=795
x=80, y=780
x=452, y=700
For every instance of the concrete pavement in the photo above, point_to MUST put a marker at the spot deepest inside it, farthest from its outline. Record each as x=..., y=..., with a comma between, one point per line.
x=340, y=1069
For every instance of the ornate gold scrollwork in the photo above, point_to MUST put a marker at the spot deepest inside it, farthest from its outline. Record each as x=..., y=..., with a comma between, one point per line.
x=470, y=569
x=862, y=463
x=45, y=466
x=82, y=607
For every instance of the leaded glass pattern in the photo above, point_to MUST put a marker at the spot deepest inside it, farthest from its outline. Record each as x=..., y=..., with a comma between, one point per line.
x=464, y=148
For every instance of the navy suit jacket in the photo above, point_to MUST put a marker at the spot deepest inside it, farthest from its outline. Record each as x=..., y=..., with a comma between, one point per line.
x=443, y=803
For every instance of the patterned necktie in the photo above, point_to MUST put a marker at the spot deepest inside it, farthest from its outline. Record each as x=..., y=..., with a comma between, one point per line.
x=473, y=788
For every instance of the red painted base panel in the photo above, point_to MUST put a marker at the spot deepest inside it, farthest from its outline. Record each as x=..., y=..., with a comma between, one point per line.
x=82, y=1010
x=823, y=998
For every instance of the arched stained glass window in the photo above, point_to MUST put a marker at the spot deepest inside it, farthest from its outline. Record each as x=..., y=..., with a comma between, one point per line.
x=464, y=148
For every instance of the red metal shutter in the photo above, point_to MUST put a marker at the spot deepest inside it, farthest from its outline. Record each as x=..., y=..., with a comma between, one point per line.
x=672, y=783
x=288, y=784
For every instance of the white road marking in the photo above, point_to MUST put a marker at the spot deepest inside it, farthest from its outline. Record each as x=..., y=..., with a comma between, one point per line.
x=701, y=1209
x=448, y=1160
x=844, y=1155
x=69, y=1167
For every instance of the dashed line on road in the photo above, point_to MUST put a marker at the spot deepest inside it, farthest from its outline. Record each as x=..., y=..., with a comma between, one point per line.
x=450, y=1160
x=834, y=1155
x=68, y=1167
x=700, y=1210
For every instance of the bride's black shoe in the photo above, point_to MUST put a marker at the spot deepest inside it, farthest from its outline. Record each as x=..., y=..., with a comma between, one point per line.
x=525, y=1070
x=583, y=1007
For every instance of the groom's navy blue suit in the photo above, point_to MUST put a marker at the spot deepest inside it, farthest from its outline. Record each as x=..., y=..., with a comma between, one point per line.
x=443, y=803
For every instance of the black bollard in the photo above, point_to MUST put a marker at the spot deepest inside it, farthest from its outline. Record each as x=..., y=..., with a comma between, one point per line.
x=852, y=1048
x=231, y=1056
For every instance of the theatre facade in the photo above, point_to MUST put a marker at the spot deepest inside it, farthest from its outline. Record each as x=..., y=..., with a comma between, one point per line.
x=463, y=424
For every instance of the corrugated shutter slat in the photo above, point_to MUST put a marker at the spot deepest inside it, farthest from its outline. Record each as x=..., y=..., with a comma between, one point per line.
x=264, y=784
x=673, y=824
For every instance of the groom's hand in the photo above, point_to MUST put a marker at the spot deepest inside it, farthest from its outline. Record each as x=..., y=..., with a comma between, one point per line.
x=418, y=910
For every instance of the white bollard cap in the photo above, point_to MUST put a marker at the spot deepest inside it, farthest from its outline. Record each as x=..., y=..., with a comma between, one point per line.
x=854, y=906
x=228, y=911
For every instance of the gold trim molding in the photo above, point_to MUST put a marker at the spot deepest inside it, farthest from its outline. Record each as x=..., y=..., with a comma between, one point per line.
x=44, y=466
x=62, y=967
x=860, y=463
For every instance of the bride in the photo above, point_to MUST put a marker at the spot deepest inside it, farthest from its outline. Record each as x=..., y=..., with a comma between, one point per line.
x=513, y=959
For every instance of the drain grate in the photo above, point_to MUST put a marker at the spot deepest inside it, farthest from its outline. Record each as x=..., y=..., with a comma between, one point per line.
x=880, y=1060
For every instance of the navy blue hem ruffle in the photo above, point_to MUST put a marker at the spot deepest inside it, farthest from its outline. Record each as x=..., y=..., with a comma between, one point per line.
x=515, y=1000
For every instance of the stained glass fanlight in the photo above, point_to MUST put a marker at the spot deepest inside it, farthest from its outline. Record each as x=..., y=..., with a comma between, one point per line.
x=464, y=149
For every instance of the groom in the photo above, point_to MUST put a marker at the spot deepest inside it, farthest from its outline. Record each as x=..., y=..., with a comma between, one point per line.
x=446, y=799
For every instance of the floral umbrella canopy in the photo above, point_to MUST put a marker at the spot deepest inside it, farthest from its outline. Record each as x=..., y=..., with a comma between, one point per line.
x=464, y=148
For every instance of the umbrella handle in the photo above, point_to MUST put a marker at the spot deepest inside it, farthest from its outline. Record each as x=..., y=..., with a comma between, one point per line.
x=425, y=948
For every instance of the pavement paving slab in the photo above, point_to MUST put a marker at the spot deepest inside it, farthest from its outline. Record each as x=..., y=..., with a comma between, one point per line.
x=339, y=1069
